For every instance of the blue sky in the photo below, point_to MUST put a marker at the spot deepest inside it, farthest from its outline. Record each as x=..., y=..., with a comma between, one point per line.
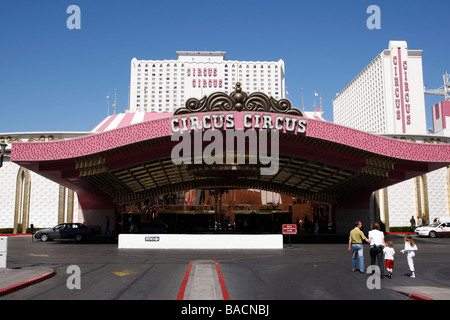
x=56, y=79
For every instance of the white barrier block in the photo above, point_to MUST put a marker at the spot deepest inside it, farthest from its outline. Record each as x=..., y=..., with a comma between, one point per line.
x=200, y=241
x=3, y=251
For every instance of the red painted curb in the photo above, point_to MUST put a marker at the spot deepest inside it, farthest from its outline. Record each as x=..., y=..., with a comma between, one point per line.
x=222, y=282
x=27, y=283
x=400, y=233
x=14, y=234
x=185, y=282
x=417, y=296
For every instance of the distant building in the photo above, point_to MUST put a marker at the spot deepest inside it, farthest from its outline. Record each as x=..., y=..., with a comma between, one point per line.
x=165, y=85
x=387, y=98
x=441, y=118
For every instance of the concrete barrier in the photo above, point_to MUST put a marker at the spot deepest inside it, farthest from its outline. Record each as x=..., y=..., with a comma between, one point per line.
x=200, y=241
x=3, y=252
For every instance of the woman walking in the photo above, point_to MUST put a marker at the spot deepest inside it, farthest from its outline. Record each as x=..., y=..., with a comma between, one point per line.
x=376, y=238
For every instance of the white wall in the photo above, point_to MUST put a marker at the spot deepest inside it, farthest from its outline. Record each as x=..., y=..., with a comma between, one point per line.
x=203, y=241
x=44, y=198
x=402, y=204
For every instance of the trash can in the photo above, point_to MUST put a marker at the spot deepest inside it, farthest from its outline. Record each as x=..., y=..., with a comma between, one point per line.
x=3, y=251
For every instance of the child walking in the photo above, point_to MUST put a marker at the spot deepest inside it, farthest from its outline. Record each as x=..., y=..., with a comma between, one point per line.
x=410, y=248
x=389, y=253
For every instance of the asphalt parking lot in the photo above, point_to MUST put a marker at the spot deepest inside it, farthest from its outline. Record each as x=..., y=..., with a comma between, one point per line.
x=307, y=271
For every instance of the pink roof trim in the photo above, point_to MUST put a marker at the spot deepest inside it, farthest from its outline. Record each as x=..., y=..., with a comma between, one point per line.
x=66, y=149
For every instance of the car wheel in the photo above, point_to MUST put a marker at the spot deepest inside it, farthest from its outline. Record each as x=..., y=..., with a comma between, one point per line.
x=78, y=237
x=432, y=234
x=44, y=237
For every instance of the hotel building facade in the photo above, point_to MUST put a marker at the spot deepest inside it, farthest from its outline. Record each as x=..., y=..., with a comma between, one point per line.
x=387, y=98
x=160, y=87
x=165, y=85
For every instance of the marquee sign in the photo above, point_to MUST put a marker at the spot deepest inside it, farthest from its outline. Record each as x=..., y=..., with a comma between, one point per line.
x=282, y=123
x=238, y=111
x=239, y=101
x=401, y=90
x=204, y=78
x=241, y=117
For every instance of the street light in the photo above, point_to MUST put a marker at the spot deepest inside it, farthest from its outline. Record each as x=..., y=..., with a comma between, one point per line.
x=2, y=152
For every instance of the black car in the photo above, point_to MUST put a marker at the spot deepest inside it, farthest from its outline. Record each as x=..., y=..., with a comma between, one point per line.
x=77, y=231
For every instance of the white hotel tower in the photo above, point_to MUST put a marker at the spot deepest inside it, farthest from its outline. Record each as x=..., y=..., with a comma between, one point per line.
x=164, y=85
x=387, y=98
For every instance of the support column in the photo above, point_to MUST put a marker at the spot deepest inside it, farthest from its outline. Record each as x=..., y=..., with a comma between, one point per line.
x=22, y=203
x=93, y=210
x=70, y=196
x=386, y=209
x=61, y=204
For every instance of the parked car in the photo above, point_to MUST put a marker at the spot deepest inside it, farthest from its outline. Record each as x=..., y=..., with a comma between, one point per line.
x=434, y=229
x=77, y=231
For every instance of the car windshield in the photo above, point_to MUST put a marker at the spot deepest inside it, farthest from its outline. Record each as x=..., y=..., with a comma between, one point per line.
x=434, y=224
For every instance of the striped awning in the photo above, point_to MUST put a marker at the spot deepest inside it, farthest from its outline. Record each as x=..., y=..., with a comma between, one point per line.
x=120, y=120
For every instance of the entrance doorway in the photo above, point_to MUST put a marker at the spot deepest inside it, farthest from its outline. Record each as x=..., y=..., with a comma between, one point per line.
x=223, y=211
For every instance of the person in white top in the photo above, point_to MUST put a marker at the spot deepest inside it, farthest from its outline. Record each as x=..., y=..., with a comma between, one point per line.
x=389, y=253
x=410, y=249
x=376, y=238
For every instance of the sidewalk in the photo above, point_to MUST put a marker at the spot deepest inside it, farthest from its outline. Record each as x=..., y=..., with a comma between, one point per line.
x=204, y=273
x=423, y=292
x=15, y=279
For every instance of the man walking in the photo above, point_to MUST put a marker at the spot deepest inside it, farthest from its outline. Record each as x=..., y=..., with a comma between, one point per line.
x=355, y=245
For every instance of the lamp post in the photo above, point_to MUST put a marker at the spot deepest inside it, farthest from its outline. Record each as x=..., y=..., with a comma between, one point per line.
x=2, y=152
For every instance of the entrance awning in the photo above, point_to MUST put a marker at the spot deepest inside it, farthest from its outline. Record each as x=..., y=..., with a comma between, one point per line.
x=318, y=161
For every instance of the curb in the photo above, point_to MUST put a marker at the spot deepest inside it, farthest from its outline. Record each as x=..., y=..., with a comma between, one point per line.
x=185, y=282
x=416, y=296
x=14, y=234
x=221, y=282
x=27, y=283
x=406, y=232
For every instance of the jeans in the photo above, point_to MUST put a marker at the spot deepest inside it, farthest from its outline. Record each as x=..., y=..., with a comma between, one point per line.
x=376, y=252
x=358, y=252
